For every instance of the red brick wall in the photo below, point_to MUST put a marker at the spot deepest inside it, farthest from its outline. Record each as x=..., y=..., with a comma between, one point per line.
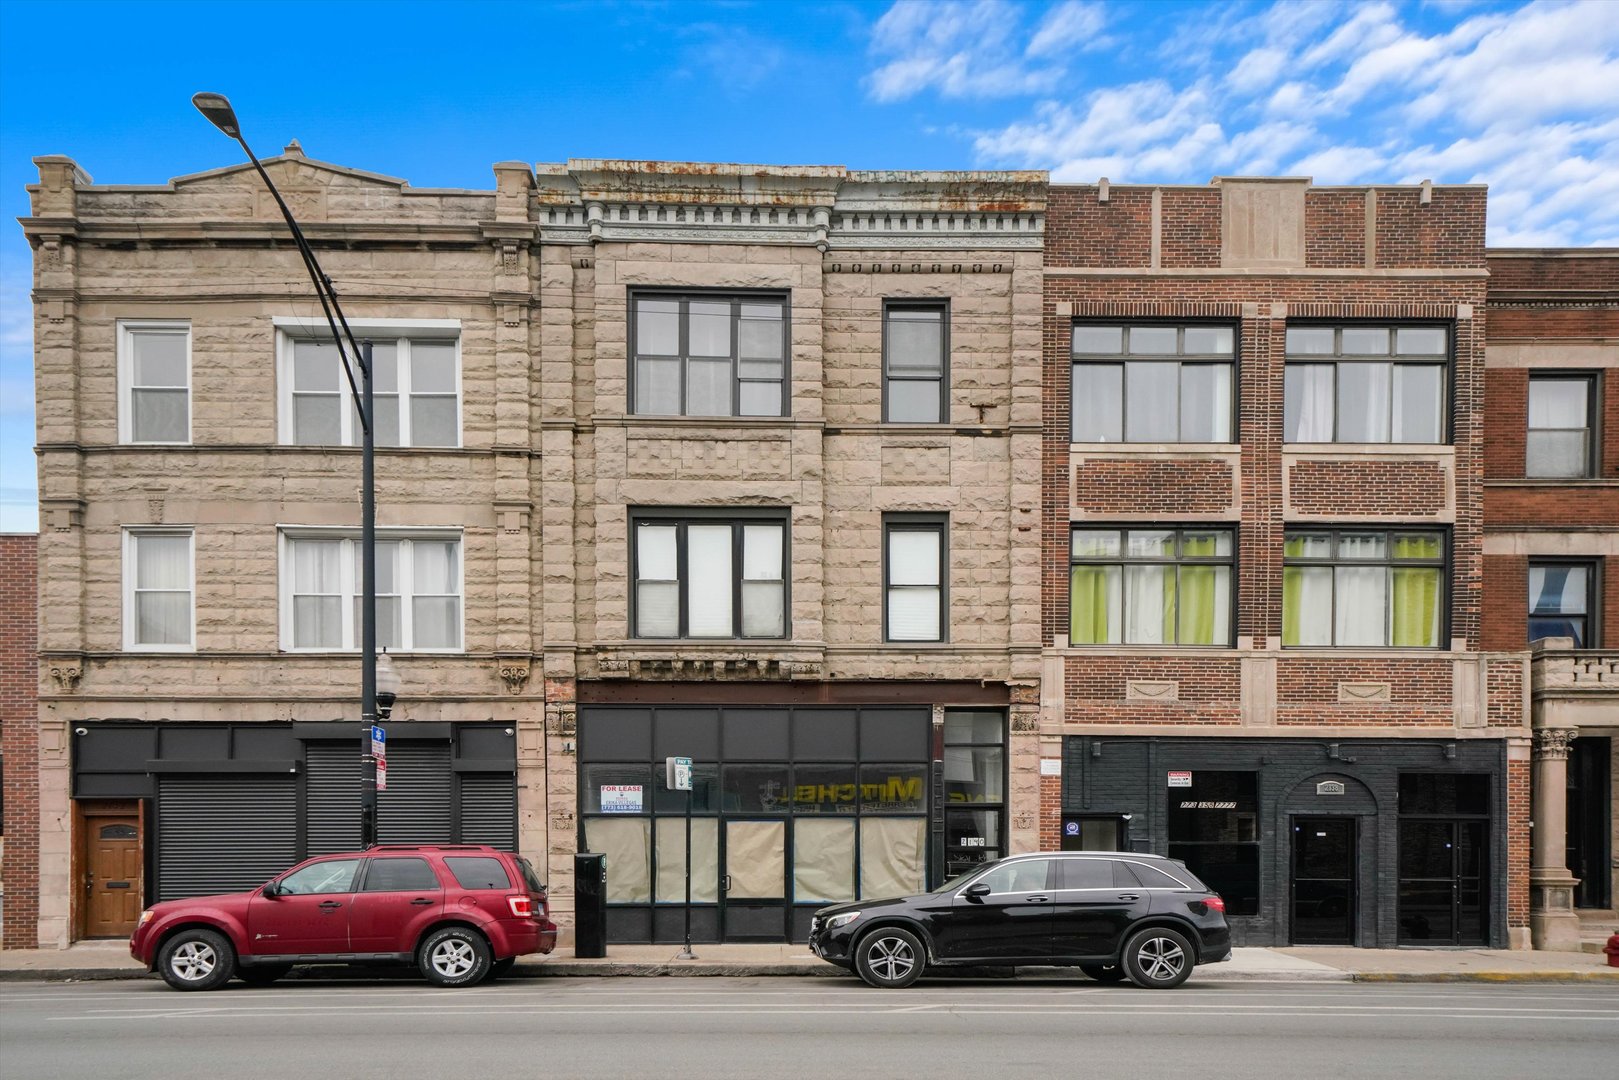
x=1335, y=228
x=1504, y=690
x=1050, y=813
x=1419, y=691
x=19, y=737
x=1384, y=488
x=1517, y=275
x=1132, y=488
x=1115, y=233
x=1518, y=815
x=1506, y=602
x=1208, y=691
x=1189, y=227
x=1449, y=232
x=1506, y=422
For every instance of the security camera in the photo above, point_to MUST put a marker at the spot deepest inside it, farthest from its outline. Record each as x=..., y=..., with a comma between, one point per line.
x=81, y=731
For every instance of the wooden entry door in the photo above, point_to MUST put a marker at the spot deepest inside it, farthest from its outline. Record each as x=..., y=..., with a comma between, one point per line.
x=111, y=867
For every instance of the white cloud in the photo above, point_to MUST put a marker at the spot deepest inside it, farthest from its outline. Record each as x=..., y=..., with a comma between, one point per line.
x=961, y=50
x=1070, y=25
x=1257, y=70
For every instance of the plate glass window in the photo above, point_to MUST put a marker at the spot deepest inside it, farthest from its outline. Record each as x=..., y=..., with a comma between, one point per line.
x=155, y=365
x=415, y=391
x=1150, y=587
x=1214, y=830
x=1559, y=439
x=1363, y=587
x=1365, y=384
x=914, y=343
x=708, y=578
x=1152, y=383
x=914, y=595
x=158, y=612
x=709, y=355
x=418, y=587
x=1560, y=601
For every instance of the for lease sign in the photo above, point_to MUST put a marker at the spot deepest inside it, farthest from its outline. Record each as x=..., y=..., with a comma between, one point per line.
x=621, y=798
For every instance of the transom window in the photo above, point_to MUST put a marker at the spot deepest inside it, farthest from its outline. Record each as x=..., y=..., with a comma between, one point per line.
x=1561, y=598
x=710, y=578
x=1359, y=587
x=1150, y=587
x=418, y=591
x=416, y=390
x=1152, y=383
x=709, y=355
x=915, y=344
x=1365, y=384
x=1559, y=439
x=154, y=376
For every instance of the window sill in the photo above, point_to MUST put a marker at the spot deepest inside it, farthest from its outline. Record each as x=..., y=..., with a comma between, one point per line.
x=1128, y=449
x=1598, y=482
x=1345, y=449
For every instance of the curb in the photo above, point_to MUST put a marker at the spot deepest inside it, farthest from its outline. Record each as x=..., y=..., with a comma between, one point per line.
x=1487, y=977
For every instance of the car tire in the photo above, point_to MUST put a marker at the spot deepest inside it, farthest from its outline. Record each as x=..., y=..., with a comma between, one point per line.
x=889, y=958
x=454, y=956
x=500, y=968
x=1107, y=973
x=197, y=959
x=1158, y=958
x=261, y=974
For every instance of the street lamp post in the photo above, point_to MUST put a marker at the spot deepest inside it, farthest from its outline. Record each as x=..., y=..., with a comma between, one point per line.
x=219, y=113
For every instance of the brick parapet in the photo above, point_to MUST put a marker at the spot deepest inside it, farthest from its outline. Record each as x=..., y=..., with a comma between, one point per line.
x=19, y=738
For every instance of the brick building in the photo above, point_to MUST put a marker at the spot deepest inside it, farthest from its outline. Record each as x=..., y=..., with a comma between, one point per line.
x=19, y=744
x=1551, y=560
x=731, y=462
x=1264, y=438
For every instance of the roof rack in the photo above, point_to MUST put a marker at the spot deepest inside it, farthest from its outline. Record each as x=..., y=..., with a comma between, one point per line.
x=432, y=847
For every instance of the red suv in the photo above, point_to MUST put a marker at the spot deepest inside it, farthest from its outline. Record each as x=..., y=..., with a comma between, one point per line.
x=461, y=914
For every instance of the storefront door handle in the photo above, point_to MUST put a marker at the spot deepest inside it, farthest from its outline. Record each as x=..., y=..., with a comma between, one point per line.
x=725, y=883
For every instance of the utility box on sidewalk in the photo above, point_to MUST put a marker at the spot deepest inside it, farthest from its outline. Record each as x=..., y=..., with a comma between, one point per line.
x=589, y=905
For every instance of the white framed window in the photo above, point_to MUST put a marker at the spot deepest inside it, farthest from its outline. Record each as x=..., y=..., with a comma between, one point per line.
x=160, y=611
x=419, y=590
x=416, y=388
x=154, y=382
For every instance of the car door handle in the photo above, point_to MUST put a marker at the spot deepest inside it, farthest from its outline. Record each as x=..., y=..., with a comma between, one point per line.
x=1037, y=899
x=1129, y=896
x=421, y=901
x=330, y=905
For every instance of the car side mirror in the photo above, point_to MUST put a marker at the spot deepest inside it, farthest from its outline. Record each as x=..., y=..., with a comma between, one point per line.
x=272, y=890
x=977, y=892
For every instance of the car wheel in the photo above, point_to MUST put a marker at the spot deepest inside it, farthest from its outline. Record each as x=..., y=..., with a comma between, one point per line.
x=197, y=960
x=1108, y=973
x=889, y=958
x=1158, y=958
x=499, y=968
x=262, y=974
x=454, y=956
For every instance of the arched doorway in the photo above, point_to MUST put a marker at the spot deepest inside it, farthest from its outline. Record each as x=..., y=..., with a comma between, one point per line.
x=1324, y=815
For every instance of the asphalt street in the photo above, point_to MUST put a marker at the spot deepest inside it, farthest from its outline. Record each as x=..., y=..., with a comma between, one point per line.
x=810, y=1028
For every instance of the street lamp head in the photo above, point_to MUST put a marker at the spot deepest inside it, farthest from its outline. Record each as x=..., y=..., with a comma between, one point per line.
x=216, y=107
x=388, y=684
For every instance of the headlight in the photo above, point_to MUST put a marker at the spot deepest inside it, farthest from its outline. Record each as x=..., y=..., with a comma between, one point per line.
x=146, y=916
x=842, y=920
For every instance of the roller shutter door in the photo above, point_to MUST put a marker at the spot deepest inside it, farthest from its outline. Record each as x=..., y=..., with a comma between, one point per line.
x=415, y=809
x=489, y=810
x=223, y=834
x=332, y=794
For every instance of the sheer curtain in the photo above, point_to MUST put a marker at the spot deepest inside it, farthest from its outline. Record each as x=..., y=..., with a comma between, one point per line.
x=1093, y=606
x=1149, y=597
x=436, y=605
x=317, y=611
x=1307, y=605
x=1307, y=407
x=163, y=590
x=1363, y=403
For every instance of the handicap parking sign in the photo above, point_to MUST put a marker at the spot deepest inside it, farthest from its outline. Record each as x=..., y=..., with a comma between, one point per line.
x=1071, y=828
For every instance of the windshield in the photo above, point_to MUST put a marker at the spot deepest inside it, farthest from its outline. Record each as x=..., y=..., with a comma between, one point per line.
x=961, y=879
x=530, y=879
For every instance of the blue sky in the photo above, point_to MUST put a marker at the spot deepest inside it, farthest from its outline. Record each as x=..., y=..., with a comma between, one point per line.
x=1524, y=97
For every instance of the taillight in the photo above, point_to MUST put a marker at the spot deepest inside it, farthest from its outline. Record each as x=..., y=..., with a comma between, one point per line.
x=1214, y=903
x=522, y=906
x=545, y=905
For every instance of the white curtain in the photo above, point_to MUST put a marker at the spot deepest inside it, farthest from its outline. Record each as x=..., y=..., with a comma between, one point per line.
x=1363, y=403
x=1417, y=395
x=1360, y=605
x=708, y=588
x=162, y=590
x=891, y=856
x=913, y=577
x=1149, y=598
x=657, y=590
x=705, y=860
x=1098, y=404
x=823, y=860
x=436, y=607
x=1307, y=605
x=1308, y=403
x=762, y=592
x=317, y=612
x=1205, y=403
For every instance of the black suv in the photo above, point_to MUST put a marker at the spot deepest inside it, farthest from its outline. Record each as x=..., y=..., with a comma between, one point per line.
x=1112, y=914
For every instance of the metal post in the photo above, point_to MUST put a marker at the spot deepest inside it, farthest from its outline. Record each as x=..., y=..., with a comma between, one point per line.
x=368, y=609
x=687, y=953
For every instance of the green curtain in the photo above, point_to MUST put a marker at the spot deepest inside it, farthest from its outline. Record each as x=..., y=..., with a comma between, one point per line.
x=1087, y=605
x=1292, y=604
x=1199, y=588
x=1416, y=606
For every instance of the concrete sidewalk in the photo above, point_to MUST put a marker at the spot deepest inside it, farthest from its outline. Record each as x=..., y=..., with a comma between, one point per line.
x=111, y=960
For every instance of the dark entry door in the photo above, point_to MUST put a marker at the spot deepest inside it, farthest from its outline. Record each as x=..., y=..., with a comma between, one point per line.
x=1323, y=881
x=112, y=867
x=1443, y=868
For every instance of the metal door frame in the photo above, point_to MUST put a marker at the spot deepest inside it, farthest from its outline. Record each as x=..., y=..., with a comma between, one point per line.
x=1293, y=821
x=1486, y=893
x=786, y=901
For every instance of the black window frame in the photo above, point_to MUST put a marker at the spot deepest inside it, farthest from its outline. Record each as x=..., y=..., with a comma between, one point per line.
x=1388, y=561
x=736, y=298
x=1180, y=358
x=1177, y=561
x=919, y=522
x=736, y=518
x=1446, y=362
x=1593, y=425
x=1593, y=567
x=1177, y=848
x=363, y=883
x=994, y=846
x=942, y=306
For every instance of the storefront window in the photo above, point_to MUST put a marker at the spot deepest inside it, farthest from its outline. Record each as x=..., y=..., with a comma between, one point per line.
x=1214, y=830
x=760, y=789
x=705, y=860
x=975, y=778
x=892, y=789
x=823, y=860
x=891, y=856
x=624, y=840
x=825, y=789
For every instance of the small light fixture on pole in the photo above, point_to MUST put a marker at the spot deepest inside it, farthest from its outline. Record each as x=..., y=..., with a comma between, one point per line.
x=388, y=686
x=219, y=113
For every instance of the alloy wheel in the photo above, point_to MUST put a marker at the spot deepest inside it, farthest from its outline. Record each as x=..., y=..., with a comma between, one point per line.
x=1161, y=959
x=891, y=958
x=194, y=961
x=453, y=959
